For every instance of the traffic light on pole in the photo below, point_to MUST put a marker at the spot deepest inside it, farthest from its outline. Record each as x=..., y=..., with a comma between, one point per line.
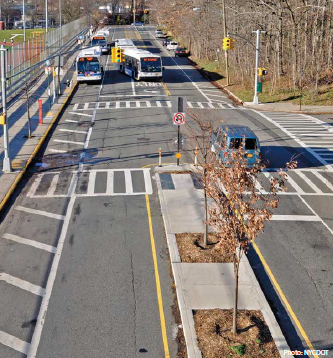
x=226, y=43
x=118, y=54
x=122, y=55
x=232, y=44
x=113, y=54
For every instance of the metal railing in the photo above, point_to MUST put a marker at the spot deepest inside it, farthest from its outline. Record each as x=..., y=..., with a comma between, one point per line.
x=26, y=61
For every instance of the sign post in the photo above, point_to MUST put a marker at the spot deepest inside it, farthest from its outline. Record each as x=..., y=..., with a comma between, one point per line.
x=178, y=120
x=48, y=70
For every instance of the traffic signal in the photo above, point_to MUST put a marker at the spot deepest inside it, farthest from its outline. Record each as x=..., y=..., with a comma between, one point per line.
x=122, y=55
x=232, y=44
x=116, y=54
x=226, y=43
x=262, y=72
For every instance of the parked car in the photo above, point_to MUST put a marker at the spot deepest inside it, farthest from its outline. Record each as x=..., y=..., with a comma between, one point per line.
x=165, y=42
x=159, y=34
x=137, y=23
x=181, y=52
x=228, y=138
x=172, y=45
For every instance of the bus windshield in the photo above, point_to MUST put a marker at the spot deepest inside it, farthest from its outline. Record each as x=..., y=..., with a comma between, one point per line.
x=96, y=42
x=88, y=64
x=151, y=64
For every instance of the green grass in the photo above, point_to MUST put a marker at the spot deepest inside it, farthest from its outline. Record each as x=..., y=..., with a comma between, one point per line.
x=281, y=94
x=7, y=34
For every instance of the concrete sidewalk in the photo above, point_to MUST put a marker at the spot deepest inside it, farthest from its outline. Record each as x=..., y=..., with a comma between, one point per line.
x=22, y=150
x=290, y=107
x=204, y=285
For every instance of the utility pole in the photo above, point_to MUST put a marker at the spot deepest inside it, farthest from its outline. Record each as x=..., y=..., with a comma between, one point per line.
x=23, y=15
x=255, y=98
x=6, y=161
x=46, y=17
x=134, y=10
x=225, y=35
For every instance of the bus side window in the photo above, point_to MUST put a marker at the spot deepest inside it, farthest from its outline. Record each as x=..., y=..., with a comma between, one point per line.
x=128, y=62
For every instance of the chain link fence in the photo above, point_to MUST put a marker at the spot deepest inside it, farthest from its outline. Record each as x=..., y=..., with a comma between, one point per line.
x=26, y=60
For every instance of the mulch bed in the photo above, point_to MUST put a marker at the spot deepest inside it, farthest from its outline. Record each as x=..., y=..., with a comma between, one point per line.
x=191, y=249
x=216, y=340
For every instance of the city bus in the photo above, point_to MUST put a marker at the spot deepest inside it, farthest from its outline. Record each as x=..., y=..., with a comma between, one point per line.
x=99, y=39
x=141, y=64
x=89, y=66
x=124, y=43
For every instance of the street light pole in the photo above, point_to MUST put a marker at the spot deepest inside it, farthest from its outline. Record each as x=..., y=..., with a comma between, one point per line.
x=225, y=35
x=255, y=98
x=6, y=161
x=46, y=16
x=23, y=20
x=134, y=10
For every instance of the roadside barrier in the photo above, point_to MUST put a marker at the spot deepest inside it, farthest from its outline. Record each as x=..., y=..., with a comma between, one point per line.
x=160, y=157
x=40, y=111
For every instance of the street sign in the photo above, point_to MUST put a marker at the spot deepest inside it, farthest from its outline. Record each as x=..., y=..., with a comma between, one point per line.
x=259, y=87
x=179, y=118
x=178, y=155
x=47, y=63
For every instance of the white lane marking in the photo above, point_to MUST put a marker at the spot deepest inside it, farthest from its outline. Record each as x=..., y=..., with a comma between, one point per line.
x=128, y=104
x=86, y=143
x=295, y=218
x=210, y=105
x=300, y=142
x=76, y=105
x=309, y=182
x=158, y=103
x=148, y=184
x=109, y=183
x=132, y=95
x=193, y=83
x=316, y=134
x=190, y=105
x=133, y=87
x=40, y=212
x=57, y=150
x=14, y=343
x=34, y=186
x=81, y=114
x=128, y=182
x=67, y=141
x=107, y=105
x=169, y=104
x=49, y=286
x=148, y=104
x=292, y=182
x=323, y=179
x=117, y=105
x=29, y=242
x=71, y=120
x=91, y=183
x=72, y=185
x=24, y=285
x=53, y=185
x=200, y=105
x=138, y=103
x=86, y=106
x=72, y=131
x=259, y=186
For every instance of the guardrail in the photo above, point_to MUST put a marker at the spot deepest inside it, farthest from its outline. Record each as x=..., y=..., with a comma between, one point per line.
x=26, y=61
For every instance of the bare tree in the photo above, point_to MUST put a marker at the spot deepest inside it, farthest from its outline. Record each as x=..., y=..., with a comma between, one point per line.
x=239, y=211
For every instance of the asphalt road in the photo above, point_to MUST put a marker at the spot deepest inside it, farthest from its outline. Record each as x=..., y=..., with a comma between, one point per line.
x=85, y=209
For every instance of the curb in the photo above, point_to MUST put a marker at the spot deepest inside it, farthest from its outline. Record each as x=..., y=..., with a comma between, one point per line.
x=35, y=151
x=186, y=314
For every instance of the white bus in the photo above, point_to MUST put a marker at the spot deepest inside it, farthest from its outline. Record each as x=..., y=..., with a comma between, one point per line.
x=89, y=66
x=141, y=63
x=124, y=43
x=99, y=39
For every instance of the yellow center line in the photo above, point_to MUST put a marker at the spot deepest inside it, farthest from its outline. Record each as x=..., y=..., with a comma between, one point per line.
x=284, y=298
x=158, y=282
x=166, y=89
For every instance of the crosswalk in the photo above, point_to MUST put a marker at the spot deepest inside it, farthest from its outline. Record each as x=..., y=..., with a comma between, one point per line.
x=147, y=104
x=310, y=132
x=99, y=182
x=317, y=182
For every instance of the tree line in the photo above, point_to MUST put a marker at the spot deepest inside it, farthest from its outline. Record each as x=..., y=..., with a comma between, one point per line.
x=297, y=45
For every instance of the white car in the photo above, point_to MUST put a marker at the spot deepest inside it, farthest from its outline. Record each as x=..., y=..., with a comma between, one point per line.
x=172, y=45
x=159, y=34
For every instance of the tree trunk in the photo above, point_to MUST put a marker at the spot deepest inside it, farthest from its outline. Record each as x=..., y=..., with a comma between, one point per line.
x=236, y=272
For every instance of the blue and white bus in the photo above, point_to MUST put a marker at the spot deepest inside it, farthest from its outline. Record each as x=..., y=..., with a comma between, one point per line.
x=142, y=64
x=99, y=39
x=88, y=65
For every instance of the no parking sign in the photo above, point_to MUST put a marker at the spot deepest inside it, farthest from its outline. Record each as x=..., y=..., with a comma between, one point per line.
x=179, y=118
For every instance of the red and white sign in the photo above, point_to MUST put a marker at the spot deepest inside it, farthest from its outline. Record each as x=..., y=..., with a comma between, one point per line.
x=179, y=118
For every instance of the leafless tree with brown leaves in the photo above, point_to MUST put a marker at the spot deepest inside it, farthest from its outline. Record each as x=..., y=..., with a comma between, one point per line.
x=239, y=211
